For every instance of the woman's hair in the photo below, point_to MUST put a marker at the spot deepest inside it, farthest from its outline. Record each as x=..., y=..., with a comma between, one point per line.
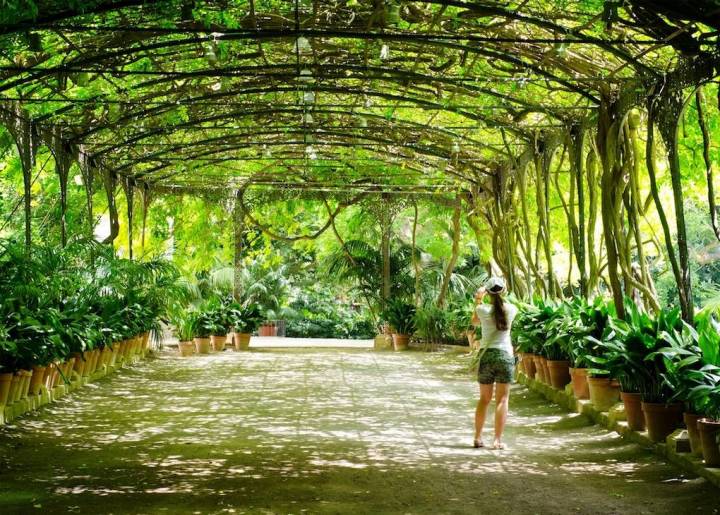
x=499, y=310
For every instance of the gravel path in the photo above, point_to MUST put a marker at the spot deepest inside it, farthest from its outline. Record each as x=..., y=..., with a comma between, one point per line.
x=320, y=431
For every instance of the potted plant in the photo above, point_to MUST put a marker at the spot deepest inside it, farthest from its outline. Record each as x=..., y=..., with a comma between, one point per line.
x=525, y=343
x=709, y=426
x=693, y=368
x=8, y=354
x=218, y=312
x=184, y=331
x=643, y=338
x=529, y=332
x=244, y=321
x=202, y=328
x=623, y=360
x=401, y=317
x=589, y=323
x=431, y=324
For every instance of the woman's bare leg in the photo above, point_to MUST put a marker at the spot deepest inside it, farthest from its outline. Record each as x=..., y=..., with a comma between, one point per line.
x=481, y=409
x=502, y=396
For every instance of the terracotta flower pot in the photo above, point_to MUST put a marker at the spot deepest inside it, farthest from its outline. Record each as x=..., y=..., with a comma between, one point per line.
x=529, y=365
x=202, y=345
x=57, y=377
x=546, y=370
x=218, y=342
x=15, y=387
x=93, y=361
x=69, y=364
x=36, y=381
x=401, y=341
x=579, y=379
x=661, y=419
x=115, y=352
x=27, y=376
x=267, y=330
x=559, y=373
x=633, y=411
x=146, y=340
x=691, y=422
x=186, y=348
x=539, y=369
x=88, y=357
x=521, y=362
x=5, y=382
x=79, y=365
x=604, y=394
x=242, y=341
x=107, y=356
x=709, y=431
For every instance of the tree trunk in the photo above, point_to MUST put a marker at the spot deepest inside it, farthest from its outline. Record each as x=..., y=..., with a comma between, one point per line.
x=415, y=262
x=577, y=138
x=110, y=183
x=700, y=103
x=607, y=142
x=453, y=255
x=238, y=233
x=650, y=162
x=671, y=112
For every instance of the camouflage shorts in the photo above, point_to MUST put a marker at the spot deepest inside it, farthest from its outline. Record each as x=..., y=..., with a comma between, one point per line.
x=496, y=366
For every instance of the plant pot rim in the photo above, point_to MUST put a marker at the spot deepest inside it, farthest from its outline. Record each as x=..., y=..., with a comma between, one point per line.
x=708, y=422
x=557, y=362
x=674, y=405
x=603, y=379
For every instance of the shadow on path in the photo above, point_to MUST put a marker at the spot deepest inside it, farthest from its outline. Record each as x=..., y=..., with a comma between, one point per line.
x=330, y=431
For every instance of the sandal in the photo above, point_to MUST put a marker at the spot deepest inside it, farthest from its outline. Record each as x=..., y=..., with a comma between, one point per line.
x=478, y=444
x=499, y=446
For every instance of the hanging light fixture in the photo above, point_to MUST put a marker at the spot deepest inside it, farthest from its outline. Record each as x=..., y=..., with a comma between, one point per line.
x=455, y=147
x=308, y=118
x=384, y=52
x=309, y=97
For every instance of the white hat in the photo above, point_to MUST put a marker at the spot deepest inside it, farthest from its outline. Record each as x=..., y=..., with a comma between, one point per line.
x=495, y=285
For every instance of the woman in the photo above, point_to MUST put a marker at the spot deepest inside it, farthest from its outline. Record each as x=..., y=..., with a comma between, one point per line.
x=497, y=361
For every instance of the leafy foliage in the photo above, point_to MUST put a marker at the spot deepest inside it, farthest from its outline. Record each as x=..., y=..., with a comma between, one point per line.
x=400, y=315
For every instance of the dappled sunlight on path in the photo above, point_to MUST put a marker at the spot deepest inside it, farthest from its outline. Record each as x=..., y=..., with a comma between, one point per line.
x=287, y=431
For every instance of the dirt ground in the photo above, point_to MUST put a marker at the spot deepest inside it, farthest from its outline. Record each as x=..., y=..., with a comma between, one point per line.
x=321, y=431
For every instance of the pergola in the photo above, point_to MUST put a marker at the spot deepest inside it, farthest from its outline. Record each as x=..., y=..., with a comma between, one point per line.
x=463, y=101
